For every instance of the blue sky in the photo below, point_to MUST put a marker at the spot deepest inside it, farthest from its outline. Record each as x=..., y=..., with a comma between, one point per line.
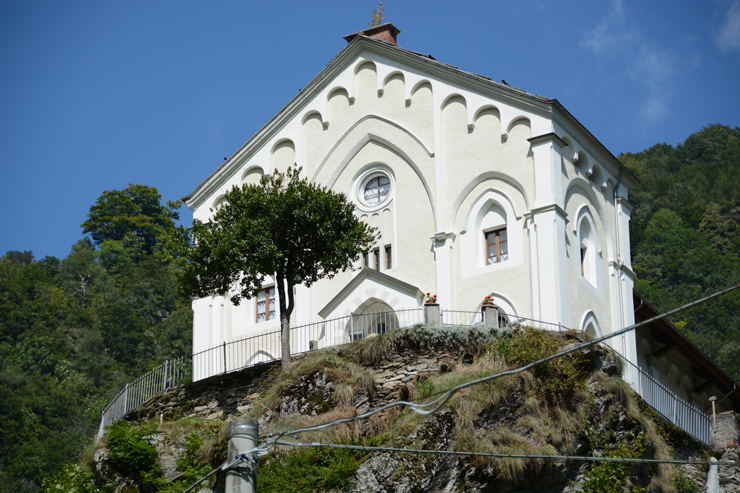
x=96, y=95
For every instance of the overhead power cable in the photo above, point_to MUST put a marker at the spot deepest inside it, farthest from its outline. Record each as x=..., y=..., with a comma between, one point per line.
x=503, y=456
x=432, y=406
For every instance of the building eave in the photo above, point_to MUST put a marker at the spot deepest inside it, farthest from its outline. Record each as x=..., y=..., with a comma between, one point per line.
x=692, y=353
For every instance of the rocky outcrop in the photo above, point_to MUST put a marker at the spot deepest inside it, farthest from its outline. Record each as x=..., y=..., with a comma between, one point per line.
x=399, y=377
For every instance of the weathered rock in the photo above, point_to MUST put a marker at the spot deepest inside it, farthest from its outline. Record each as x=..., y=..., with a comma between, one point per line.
x=308, y=396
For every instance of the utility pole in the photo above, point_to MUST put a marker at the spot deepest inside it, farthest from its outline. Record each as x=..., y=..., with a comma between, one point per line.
x=243, y=436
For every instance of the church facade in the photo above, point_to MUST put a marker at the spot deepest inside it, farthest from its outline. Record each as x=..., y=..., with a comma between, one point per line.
x=477, y=189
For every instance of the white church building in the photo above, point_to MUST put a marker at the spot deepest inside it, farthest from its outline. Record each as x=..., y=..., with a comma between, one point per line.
x=477, y=189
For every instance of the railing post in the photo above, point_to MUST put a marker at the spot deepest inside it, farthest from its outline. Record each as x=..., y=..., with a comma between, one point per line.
x=490, y=316
x=101, y=429
x=351, y=326
x=432, y=314
x=125, y=400
x=224, y=357
x=164, y=382
x=675, y=403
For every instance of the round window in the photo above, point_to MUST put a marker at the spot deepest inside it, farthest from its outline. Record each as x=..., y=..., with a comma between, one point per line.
x=376, y=189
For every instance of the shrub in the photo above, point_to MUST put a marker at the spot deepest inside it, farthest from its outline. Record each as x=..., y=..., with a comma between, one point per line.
x=611, y=477
x=71, y=479
x=306, y=470
x=130, y=452
x=558, y=380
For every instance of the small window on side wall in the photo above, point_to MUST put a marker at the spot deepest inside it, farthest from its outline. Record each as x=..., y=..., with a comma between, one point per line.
x=266, y=305
x=497, y=247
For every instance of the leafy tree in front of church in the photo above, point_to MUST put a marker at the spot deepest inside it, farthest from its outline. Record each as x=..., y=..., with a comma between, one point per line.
x=286, y=227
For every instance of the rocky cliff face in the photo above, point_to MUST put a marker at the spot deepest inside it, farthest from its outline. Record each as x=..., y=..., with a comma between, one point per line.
x=581, y=409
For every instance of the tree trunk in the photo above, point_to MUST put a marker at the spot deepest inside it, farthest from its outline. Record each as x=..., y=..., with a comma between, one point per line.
x=285, y=310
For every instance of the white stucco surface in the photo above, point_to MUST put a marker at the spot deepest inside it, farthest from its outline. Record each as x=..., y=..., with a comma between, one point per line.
x=463, y=157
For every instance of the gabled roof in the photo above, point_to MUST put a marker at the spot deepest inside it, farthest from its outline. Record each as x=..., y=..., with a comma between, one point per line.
x=359, y=42
x=375, y=275
x=673, y=339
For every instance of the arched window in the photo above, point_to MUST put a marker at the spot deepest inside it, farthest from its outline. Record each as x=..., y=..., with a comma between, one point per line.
x=587, y=245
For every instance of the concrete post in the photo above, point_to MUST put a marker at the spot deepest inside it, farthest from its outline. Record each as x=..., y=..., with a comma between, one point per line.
x=431, y=314
x=243, y=436
x=491, y=314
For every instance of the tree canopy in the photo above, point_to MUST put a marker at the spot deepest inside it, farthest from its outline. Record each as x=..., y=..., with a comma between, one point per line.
x=136, y=210
x=72, y=333
x=286, y=227
x=685, y=234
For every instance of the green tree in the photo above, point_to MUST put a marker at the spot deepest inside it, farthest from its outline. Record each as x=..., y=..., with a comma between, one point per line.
x=136, y=209
x=286, y=227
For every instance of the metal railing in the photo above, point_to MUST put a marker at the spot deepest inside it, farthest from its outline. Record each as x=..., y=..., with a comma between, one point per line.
x=266, y=347
x=456, y=317
x=668, y=404
x=136, y=393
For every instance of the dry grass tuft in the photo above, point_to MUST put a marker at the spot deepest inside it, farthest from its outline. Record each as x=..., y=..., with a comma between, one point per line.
x=344, y=395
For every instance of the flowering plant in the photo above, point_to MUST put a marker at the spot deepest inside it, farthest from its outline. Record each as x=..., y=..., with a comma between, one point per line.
x=431, y=298
x=488, y=300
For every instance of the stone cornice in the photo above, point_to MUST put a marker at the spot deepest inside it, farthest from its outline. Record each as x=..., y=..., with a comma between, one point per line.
x=622, y=201
x=624, y=268
x=548, y=208
x=442, y=236
x=551, y=137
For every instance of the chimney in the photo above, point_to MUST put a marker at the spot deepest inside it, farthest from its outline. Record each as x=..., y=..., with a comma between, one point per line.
x=384, y=32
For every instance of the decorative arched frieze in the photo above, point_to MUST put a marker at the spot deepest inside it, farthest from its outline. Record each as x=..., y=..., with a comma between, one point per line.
x=314, y=114
x=518, y=119
x=388, y=77
x=411, y=90
x=339, y=91
x=481, y=110
x=252, y=175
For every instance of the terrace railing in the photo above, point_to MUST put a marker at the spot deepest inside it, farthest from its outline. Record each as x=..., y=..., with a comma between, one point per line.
x=266, y=347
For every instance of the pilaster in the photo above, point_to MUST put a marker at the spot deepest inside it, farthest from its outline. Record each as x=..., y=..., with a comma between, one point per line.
x=443, y=260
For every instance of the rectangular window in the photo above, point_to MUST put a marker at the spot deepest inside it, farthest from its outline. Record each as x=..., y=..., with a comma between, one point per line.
x=388, y=258
x=367, y=264
x=497, y=249
x=266, y=305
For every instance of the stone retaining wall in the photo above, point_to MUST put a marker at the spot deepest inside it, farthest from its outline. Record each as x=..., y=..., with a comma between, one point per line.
x=226, y=396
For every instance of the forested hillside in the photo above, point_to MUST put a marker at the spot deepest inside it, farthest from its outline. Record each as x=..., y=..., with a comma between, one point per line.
x=685, y=233
x=74, y=331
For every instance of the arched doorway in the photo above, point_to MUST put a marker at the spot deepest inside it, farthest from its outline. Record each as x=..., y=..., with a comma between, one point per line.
x=372, y=317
